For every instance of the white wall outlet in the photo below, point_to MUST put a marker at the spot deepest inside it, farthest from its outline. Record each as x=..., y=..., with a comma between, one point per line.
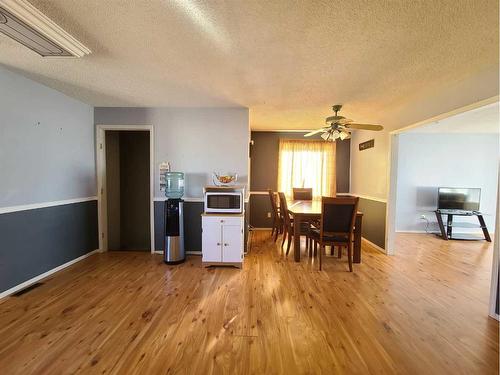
x=268, y=215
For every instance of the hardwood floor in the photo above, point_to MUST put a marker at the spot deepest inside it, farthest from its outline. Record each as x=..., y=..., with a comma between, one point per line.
x=423, y=311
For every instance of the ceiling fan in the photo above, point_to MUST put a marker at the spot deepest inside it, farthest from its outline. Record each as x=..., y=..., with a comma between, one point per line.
x=339, y=127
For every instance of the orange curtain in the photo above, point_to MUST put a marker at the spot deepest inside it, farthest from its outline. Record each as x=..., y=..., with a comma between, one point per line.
x=308, y=164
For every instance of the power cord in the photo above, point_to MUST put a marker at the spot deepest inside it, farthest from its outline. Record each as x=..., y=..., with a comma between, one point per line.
x=427, y=224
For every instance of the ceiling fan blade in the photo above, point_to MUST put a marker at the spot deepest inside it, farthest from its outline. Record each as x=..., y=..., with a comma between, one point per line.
x=364, y=127
x=316, y=131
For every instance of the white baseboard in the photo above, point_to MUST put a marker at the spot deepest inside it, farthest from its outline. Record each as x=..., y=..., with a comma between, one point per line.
x=436, y=232
x=495, y=316
x=376, y=247
x=412, y=231
x=44, y=275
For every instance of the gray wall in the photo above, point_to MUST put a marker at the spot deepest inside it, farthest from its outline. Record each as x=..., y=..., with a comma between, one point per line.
x=36, y=241
x=192, y=225
x=373, y=220
x=46, y=144
x=264, y=171
x=46, y=154
x=264, y=160
x=447, y=160
x=196, y=141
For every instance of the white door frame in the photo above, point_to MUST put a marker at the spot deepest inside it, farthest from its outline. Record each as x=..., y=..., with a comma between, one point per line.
x=101, y=179
x=496, y=251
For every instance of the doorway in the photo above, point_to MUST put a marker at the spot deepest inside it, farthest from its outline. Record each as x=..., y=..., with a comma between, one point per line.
x=457, y=151
x=454, y=150
x=125, y=183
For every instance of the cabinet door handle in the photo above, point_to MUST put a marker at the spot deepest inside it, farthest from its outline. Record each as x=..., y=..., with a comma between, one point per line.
x=222, y=221
x=226, y=244
x=218, y=243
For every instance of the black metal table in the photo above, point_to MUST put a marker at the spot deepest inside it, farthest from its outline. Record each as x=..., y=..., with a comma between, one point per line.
x=447, y=231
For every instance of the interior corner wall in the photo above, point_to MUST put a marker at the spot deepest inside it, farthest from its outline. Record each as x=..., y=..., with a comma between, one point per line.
x=369, y=168
x=196, y=141
x=429, y=161
x=46, y=156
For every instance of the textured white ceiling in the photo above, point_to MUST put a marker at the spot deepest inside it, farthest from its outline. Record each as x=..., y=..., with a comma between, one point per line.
x=478, y=121
x=288, y=61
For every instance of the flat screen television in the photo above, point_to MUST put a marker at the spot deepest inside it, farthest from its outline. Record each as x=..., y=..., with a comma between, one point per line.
x=466, y=199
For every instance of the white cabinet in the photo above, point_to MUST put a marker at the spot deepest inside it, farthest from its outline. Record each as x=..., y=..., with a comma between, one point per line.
x=222, y=239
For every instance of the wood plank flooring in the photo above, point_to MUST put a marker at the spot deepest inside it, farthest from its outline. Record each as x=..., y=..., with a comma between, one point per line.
x=422, y=311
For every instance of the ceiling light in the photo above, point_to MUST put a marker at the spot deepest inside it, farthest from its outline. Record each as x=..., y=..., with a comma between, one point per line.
x=344, y=135
x=27, y=25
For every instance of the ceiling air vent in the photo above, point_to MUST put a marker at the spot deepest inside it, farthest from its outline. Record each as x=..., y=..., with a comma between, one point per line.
x=27, y=25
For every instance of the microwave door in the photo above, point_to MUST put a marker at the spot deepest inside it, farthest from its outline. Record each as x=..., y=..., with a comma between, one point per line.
x=224, y=202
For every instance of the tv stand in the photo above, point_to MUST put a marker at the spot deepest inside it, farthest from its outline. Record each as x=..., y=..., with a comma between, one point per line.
x=447, y=231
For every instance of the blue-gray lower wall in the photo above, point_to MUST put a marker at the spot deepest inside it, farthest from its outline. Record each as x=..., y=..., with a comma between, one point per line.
x=260, y=206
x=373, y=220
x=36, y=241
x=192, y=225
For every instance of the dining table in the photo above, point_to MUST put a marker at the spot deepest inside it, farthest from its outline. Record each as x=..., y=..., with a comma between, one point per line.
x=303, y=211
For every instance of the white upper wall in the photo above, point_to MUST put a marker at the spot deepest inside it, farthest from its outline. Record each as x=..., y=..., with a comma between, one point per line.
x=196, y=141
x=46, y=144
x=428, y=161
x=482, y=120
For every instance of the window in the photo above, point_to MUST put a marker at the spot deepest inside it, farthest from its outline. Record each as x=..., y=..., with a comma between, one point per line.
x=308, y=164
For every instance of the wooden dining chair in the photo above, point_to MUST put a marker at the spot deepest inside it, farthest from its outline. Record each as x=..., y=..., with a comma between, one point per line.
x=302, y=194
x=338, y=216
x=286, y=220
x=288, y=225
x=277, y=220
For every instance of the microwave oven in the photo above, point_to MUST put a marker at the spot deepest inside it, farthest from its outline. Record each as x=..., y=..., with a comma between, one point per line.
x=224, y=202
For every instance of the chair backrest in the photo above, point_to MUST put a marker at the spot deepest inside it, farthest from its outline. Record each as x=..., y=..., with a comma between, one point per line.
x=284, y=209
x=338, y=215
x=273, y=201
x=303, y=194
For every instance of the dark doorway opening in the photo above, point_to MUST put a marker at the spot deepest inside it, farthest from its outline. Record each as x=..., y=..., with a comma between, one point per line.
x=128, y=190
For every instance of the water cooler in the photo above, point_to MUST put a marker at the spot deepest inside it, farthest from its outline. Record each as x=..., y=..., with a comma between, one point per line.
x=174, y=218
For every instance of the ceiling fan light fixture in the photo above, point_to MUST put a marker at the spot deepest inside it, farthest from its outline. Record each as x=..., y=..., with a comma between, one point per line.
x=339, y=127
x=344, y=135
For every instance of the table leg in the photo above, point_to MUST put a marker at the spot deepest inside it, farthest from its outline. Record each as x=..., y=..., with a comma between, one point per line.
x=449, y=226
x=296, y=237
x=484, y=228
x=357, y=240
x=439, y=219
